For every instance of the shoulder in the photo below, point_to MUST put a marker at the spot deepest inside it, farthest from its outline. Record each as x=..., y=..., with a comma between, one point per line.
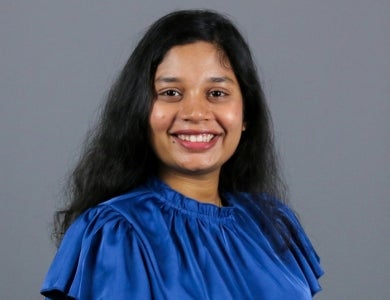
x=283, y=227
x=124, y=212
x=99, y=245
x=110, y=213
x=300, y=247
x=270, y=211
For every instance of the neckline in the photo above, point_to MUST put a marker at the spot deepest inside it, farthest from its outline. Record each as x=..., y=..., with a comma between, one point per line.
x=191, y=206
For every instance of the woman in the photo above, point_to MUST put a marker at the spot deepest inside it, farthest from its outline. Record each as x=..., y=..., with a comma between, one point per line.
x=175, y=196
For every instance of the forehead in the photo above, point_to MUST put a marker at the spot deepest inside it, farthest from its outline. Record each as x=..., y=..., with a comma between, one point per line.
x=198, y=57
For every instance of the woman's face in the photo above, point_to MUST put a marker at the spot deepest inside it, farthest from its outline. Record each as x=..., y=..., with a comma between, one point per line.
x=197, y=116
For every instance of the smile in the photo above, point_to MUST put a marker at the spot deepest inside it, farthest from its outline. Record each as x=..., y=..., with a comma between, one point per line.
x=196, y=138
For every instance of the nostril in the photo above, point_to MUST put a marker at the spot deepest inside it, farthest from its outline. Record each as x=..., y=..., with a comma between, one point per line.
x=195, y=113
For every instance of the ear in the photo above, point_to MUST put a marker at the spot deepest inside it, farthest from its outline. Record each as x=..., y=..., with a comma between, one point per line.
x=244, y=126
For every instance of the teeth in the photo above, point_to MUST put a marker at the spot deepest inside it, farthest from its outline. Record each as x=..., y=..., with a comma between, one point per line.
x=198, y=138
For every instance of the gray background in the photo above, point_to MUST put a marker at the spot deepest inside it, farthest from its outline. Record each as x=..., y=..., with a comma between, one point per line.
x=326, y=70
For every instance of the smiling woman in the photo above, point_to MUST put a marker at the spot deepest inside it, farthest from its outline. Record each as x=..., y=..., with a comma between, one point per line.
x=176, y=195
x=196, y=118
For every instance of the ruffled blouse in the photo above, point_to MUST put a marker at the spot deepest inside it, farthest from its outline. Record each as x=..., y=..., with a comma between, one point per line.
x=155, y=243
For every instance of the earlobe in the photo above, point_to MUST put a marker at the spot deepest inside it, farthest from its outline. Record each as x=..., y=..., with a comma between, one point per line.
x=244, y=126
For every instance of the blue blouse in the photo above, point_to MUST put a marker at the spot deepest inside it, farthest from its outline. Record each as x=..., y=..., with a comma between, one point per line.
x=155, y=243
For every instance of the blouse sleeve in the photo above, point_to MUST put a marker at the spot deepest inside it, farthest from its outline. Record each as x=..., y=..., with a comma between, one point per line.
x=97, y=260
x=302, y=249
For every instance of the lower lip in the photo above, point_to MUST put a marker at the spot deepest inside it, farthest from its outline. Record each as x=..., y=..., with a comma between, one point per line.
x=197, y=146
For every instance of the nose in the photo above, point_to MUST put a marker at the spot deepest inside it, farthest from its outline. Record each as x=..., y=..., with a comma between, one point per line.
x=195, y=108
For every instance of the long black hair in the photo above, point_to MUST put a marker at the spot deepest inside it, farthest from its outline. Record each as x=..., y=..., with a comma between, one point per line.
x=117, y=156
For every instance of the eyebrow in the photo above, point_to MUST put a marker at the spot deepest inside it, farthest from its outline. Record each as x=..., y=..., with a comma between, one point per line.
x=221, y=79
x=168, y=79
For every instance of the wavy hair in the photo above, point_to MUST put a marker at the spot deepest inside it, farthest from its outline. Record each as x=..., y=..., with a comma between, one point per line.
x=117, y=155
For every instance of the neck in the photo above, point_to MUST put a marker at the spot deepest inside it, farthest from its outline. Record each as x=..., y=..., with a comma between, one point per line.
x=203, y=188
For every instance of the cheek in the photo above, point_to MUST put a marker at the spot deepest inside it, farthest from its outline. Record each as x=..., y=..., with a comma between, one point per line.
x=157, y=119
x=234, y=117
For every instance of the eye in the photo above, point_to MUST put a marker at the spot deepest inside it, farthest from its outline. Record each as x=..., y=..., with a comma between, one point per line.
x=217, y=94
x=170, y=93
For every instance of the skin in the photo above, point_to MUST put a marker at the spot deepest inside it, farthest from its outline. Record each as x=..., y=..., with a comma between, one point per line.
x=196, y=119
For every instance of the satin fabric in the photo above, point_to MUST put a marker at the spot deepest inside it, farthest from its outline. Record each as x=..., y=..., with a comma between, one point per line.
x=154, y=243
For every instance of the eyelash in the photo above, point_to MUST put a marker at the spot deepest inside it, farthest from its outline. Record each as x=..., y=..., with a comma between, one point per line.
x=167, y=92
x=220, y=94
